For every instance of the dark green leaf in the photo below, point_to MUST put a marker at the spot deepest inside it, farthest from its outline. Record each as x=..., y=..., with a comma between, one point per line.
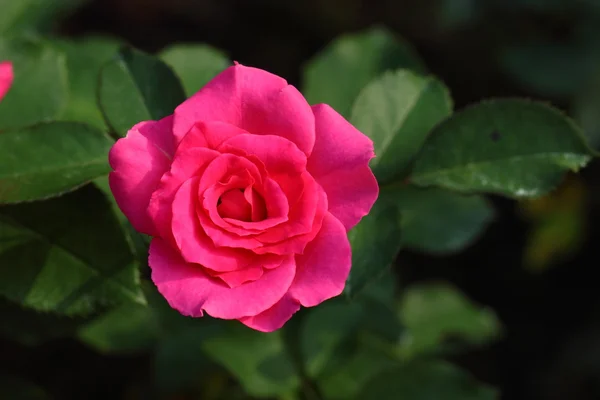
x=137, y=87
x=195, y=64
x=375, y=244
x=434, y=313
x=346, y=381
x=323, y=331
x=66, y=255
x=398, y=111
x=128, y=328
x=427, y=380
x=511, y=147
x=49, y=159
x=259, y=360
x=440, y=221
x=337, y=74
x=40, y=88
x=85, y=58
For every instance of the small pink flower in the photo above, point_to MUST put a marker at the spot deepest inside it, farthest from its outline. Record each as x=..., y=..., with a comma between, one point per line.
x=248, y=193
x=6, y=77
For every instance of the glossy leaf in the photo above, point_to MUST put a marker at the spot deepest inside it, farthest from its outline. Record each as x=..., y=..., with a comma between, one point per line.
x=375, y=244
x=49, y=159
x=136, y=87
x=194, y=64
x=66, y=255
x=426, y=380
x=397, y=111
x=128, y=328
x=85, y=58
x=433, y=313
x=40, y=88
x=260, y=361
x=342, y=69
x=440, y=221
x=512, y=147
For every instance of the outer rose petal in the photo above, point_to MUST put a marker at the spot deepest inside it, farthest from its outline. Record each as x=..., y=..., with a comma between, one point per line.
x=340, y=163
x=254, y=100
x=273, y=318
x=190, y=290
x=139, y=160
x=209, y=134
x=6, y=77
x=324, y=266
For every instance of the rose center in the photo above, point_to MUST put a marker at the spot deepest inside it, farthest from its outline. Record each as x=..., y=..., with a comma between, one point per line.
x=233, y=204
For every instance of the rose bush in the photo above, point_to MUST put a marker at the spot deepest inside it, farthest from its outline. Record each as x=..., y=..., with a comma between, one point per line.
x=248, y=193
x=6, y=77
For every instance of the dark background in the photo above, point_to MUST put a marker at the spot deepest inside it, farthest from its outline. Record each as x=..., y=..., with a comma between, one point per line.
x=551, y=343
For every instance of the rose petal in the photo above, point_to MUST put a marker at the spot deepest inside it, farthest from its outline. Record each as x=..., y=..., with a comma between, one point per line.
x=224, y=167
x=6, y=77
x=233, y=205
x=301, y=216
x=237, y=278
x=279, y=155
x=273, y=318
x=193, y=242
x=190, y=290
x=209, y=134
x=254, y=100
x=138, y=161
x=296, y=244
x=340, y=163
x=186, y=164
x=324, y=266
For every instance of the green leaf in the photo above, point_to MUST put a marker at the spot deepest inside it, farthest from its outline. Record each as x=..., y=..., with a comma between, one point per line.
x=137, y=87
x=40, y=88
x=128, y=328
x=180, y=361
x=15, y=388
x=512, y=147
x=346, y=381
x=195, y=64
x=85, y=58
x=340, y=71
x=259, y=360
x=433, y=313
x=67, y=255
x=27, y=15
x=323, y=331
x=49, y=159
x=397, y=111
x=426, y=380
x=440, y=221
x=375, y=244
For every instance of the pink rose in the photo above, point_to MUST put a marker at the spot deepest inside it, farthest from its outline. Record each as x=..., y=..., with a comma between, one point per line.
x=6, y=77
x=248, y=193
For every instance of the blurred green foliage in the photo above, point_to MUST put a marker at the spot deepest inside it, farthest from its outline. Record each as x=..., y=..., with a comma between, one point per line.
x=386, y=339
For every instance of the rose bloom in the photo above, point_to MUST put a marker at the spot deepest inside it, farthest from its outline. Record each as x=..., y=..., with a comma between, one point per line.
x=6, y=77
x=248, y=193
